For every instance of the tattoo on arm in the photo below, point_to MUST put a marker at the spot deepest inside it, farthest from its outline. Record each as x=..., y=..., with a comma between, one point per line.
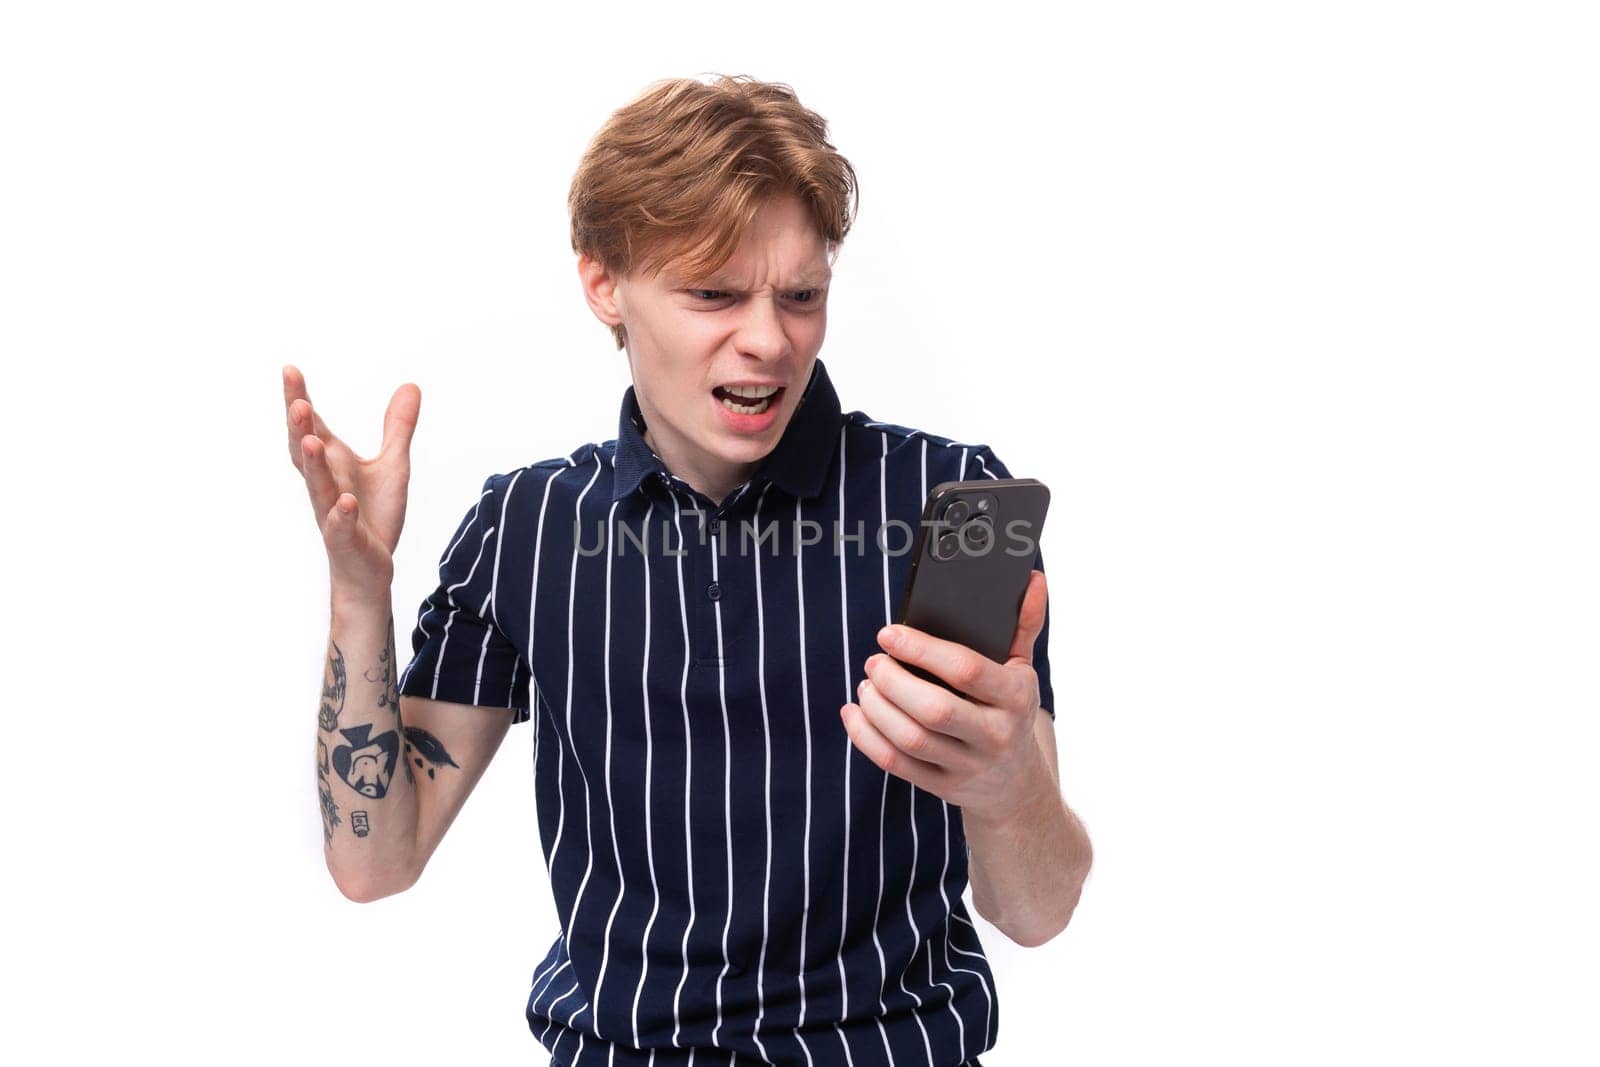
x=330, y=810
x=333, y=687
x=366, y=763
x=387, y=677
x=421, y=745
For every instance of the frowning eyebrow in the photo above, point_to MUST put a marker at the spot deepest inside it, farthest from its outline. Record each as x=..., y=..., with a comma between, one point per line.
x=809, y=281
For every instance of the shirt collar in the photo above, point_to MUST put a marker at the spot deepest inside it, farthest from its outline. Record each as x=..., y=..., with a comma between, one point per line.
x=798, y=464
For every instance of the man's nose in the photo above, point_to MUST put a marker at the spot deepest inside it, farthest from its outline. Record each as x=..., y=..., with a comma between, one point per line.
x=761, y=331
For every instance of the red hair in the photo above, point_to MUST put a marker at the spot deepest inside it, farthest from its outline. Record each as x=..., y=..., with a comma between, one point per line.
x=676, y=175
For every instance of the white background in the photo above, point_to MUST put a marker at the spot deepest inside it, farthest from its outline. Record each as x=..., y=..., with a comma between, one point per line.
x=1292, y=305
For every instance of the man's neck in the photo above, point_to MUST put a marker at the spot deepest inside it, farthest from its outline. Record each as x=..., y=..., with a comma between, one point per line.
x=715, y=484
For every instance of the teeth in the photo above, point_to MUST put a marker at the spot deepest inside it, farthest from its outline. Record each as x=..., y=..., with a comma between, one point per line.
x=746, y=409
x=753, y=391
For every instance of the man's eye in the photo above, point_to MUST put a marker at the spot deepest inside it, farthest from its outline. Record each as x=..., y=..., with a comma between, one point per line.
x=803, y=296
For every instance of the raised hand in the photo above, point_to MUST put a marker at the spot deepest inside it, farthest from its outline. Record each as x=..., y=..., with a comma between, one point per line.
x=360, y=503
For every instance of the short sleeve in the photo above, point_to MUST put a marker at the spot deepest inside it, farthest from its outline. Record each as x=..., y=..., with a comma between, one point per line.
x=989, y=465
x=459, y=654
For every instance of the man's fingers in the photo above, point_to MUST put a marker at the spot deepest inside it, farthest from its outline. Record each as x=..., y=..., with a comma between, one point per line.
x=300, y=424
x=294, y=415
x=301, y=416
x=319, y=478
x=400, y=420
x=903, y=729
x=341, y=529
x=968, y=670
x=931, y=706
x=294, y=385
x=1030, y=618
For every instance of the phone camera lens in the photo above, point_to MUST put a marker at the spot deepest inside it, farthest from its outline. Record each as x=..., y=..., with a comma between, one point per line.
x=977, y=535
x=946, y=546
x=957, y=512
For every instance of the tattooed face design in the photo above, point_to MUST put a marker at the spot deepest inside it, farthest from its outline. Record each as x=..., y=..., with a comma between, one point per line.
x=366, y=763
x=368, y=776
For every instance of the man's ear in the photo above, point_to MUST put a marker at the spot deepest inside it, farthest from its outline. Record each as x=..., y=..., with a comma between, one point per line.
x=599, y=289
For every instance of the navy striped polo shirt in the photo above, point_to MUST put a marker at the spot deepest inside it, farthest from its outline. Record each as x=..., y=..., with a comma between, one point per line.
x=736, y=882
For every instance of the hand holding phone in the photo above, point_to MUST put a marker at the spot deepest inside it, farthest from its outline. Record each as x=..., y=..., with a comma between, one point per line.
x=974, y=550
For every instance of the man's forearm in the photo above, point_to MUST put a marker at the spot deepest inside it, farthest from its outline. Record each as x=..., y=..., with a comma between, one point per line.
x=1027, y=867
x=365, y=787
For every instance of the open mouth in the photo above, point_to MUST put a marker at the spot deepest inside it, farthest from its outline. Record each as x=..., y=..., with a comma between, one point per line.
x=747, y=400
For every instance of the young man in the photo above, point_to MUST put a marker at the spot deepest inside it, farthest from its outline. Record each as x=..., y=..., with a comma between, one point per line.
x=756, y=822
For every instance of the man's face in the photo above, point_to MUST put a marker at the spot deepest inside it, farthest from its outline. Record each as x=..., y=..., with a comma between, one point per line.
x=757, y=321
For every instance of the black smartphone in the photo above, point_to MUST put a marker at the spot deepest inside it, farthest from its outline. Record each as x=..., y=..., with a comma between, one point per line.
x=974, y=549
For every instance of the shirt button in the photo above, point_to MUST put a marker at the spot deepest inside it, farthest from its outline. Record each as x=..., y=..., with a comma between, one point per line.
x=714, y=591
